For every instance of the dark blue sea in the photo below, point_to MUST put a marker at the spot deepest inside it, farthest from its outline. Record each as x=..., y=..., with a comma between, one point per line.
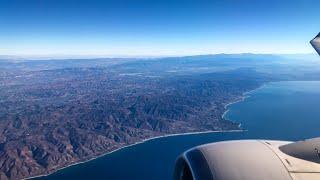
x=280, y=111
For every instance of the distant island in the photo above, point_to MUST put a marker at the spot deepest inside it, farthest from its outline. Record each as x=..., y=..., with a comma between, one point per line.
x=55, y=113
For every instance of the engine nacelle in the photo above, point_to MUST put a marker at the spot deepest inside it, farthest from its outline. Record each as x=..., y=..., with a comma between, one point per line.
x=249, y=160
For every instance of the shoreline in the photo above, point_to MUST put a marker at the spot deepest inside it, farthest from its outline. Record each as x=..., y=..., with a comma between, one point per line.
x=243, y=97
x=240, y=99
x=134, y=144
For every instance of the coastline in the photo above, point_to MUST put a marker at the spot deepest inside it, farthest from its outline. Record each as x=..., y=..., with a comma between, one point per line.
x=130, y=145
x=240, y=99
x=243, y=97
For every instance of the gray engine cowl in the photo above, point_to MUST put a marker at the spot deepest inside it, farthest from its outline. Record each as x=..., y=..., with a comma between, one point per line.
x=243, y=160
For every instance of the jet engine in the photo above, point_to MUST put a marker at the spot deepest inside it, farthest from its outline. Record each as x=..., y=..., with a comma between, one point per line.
x=251, y=160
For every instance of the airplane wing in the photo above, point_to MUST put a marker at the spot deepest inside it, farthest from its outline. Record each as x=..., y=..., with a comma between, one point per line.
x=316, y=43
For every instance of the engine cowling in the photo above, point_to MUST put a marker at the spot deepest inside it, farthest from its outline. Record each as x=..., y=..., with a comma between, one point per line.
x=246, y=160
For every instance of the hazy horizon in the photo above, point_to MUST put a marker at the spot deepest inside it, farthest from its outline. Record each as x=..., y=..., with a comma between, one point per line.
x=62, y=57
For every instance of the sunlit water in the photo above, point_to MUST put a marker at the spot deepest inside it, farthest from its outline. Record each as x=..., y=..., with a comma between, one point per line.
x=281, y=110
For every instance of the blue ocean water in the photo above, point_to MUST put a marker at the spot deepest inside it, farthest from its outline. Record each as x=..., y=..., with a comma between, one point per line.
x=279, y=110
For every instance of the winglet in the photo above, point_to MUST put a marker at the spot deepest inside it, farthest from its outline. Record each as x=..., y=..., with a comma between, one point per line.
x=316, y=43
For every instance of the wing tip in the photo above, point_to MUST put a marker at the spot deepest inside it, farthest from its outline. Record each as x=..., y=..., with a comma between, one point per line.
x=315, y=42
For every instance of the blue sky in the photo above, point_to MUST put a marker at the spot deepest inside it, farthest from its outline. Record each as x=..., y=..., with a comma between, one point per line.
x=156, y=27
